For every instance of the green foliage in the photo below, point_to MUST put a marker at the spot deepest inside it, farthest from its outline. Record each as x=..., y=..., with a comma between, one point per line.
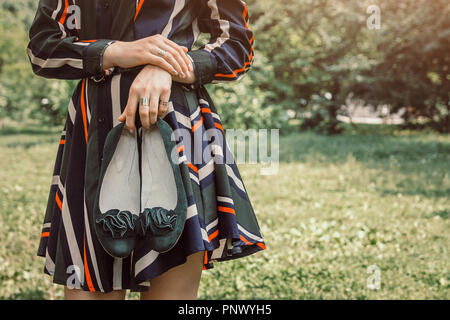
x=23, y=95
x=413, y=61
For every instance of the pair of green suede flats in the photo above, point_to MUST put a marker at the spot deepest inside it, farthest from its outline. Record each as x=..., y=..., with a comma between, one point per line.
x=148, y=206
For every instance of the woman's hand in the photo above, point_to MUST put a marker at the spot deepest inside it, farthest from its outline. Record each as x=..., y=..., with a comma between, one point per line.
x=153, y=83
x=145, y=51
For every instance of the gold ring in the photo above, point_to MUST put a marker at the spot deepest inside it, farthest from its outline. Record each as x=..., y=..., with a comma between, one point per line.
x=164, y=103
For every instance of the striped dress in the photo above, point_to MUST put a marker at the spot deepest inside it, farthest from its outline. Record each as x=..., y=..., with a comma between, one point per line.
x=67, y=40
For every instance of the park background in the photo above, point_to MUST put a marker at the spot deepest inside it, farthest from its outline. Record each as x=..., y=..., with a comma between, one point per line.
x=359, y=207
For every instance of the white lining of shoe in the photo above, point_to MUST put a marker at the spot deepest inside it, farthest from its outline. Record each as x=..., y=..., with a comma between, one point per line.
x=121, y=184
x=158, y=182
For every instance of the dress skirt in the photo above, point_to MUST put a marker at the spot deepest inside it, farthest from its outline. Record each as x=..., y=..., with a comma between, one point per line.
x=220, y=220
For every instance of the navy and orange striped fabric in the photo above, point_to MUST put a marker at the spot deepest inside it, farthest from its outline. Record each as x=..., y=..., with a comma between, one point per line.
x=220, y=215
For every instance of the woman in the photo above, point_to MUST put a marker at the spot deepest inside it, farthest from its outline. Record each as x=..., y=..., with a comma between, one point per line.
x=124, y=51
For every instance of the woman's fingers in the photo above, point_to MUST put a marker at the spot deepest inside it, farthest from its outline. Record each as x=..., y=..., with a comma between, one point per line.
x=164, y=97
x=153, y=112
x=181, y=51
x=130, y=110
x=171, y=56
x=177, y=60
x=162, y=63
x=144, y=115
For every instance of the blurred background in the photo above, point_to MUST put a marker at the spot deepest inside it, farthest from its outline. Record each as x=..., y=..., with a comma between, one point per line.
x=359, y=207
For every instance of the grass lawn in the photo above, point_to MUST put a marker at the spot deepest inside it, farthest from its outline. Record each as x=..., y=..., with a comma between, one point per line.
x=341, y=212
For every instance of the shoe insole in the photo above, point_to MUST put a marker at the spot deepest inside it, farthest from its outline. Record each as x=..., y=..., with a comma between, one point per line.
x=158, y=182
x=121, y=184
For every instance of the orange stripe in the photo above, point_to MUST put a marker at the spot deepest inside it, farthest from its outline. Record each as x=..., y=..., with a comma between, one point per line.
x=193, y=167
x=213, y=235
x=226, y=209
x=86, y=270
x=245, y=240
x=206, y=110
x=45, y=234
x=88, y=40
x=198, y=124
x=83, y=109
x=64, y=15
x=141, y=2
x=58, y=201
x=62, y=141
x=234, y=74
x=180, y=148
x=259, y=244
x=218, y=125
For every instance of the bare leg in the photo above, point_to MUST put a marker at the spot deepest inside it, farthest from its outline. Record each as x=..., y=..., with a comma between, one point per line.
x=79, y=294
x=178, y=283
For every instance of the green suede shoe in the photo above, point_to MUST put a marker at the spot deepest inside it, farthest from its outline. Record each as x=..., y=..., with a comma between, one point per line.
x=163, y=197
x=117, y=202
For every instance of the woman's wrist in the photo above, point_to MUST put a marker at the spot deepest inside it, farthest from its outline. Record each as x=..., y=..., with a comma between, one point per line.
x=109, y=55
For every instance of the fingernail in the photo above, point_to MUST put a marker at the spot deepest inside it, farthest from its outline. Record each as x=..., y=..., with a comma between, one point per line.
x=176, y=72
x=182, y=75
x=190, y=67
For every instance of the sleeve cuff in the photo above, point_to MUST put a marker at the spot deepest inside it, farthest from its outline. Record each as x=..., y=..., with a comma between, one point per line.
x=205, y=66
x=93, y=55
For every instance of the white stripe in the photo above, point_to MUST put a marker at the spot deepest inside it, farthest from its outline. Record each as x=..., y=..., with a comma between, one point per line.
x=204, y=235
x=145, y=261
x=86, y=99
x=91, y=244
x=185, y=121
x=225, y=199
x=79, y=43
x=203, y=101
x=195, y=114
x=217, y=253
x=212, y=224
x=216, y=150
x=182, y=159
x=236, y=180
x=46, y=225
x=206, y=170
x=191, y=211
x=195, y=29
x=193, y=177
x=224, y=27
x=55, y=13
x=72, y=111
x=249, y=234
x=55, y=179
x=49, y=264
x=115, y=98
x=54, y=62
x=117, y=274
x=70, y=233
x=179, y=5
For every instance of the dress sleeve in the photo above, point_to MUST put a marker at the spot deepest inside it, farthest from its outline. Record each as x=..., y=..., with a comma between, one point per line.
x=54, y=49
x=228, y=55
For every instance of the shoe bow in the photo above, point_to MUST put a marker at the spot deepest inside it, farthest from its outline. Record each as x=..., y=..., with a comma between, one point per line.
x=117, y=222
